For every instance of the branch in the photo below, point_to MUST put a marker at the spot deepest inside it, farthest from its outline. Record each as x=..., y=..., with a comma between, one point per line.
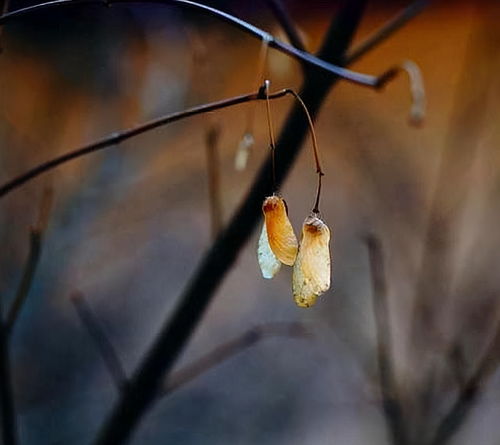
x=36, y=237
x=229, y=349
x=391, y=403
x=118, y=137
x=280, y=12
x=468, y=393
x=101, y=341
x=302, y=56
x=191, y=371
x=418, y=96
x=8, y=412
x=148, y=379
x=386, y=30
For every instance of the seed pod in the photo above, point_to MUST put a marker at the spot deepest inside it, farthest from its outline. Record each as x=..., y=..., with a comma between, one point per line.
x=269, y=264
x=311, y=273
x=281, y=237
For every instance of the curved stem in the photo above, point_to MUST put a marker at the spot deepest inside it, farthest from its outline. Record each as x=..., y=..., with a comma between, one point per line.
x=319, y=170
x=271, y=132
x=303, y=56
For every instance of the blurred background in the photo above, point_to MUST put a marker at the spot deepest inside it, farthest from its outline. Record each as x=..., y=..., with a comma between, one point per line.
x=128, y=225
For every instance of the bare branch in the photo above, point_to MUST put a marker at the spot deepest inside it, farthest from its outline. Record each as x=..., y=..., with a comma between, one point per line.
x=391, y=403
x=416, y=84
x=148, y=379
x=280, y=12
x=8, y=411
x=36, y=237
x=386, y=31
x=302, y=56
x=468, y=393
x=229, y=349
x=101, y=341
x=118, y=137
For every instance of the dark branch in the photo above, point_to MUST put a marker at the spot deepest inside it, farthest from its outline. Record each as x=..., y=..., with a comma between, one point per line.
x=36, y=237
x=280, y=12
x=229, y=349
x=391, y=404
x=302, y=56
x=389, y=28
x=8, y=411
x=116, y=138
x=416, y=88
x=468, y=393
x=148, y=379
x=101, y=341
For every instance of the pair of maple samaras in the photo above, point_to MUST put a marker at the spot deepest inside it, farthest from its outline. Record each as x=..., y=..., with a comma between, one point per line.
x=310, y=260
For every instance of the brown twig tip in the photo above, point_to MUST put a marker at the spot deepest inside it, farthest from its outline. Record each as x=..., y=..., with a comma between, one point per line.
x=36, y=234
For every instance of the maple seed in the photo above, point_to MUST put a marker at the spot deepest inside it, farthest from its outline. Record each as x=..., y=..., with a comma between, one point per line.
x=281, y=237
x=311, y=273
x=269, y=264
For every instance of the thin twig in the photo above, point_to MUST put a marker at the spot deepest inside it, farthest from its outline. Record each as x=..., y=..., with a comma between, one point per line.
x=468, y=393
x=148, y=379
x=36, y=237
x=391, y=402
x=101, y=341
x=8, y=412
x=188, y=372
x=302, y=56
x=280, y=12
x=213, y=171
x=386, y=30
x=229, y=349
x=118, y=137
x=417, y=89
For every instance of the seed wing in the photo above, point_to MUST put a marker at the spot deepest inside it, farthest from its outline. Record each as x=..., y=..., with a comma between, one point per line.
x=281, y=236
x=269, y=264
x=311, y=273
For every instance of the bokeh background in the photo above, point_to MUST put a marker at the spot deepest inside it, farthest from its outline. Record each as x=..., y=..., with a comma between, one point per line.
x=129, y=224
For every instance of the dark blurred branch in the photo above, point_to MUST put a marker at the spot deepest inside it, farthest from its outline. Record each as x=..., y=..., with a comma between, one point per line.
x=469, y=393
x=8, y=412
x=280, y=12
x=386, y=30
x=36, y=237
x=213, y=171
x=391, y=404
x=101, y=341
x=302, y=56
x=229, y=349
x=192, y=370
x=458, y=364
x=148, y=379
